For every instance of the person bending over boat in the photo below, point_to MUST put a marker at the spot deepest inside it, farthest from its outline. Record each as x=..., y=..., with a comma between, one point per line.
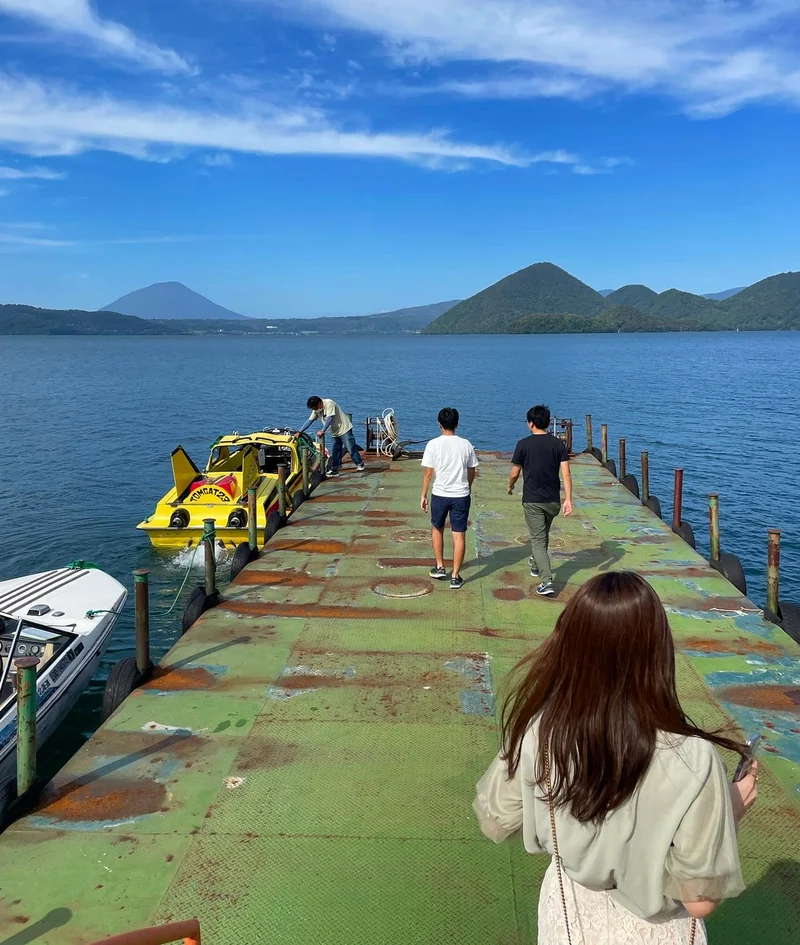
x=601, y=769
x=333, y=418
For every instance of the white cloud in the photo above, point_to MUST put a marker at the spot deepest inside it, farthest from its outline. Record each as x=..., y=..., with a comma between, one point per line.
x=39, y=173
x=220, y=159
x=55, y=120
x=714, y=55
x=15, y=239
x=77, y=18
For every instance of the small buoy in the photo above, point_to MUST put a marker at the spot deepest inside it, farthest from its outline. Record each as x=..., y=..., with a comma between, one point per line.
x=685, y=531
x=123, y=679
x=654, y=505
x=273, y=524
x=790, y=620
x=730, y=567
x=197, y=605
x=631, y=483
x=243, y=555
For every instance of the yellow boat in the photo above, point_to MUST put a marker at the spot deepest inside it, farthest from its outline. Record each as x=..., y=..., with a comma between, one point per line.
x=220, y=491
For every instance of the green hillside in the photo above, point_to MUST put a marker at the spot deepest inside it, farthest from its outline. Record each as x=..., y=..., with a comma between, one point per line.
x=618, y=318
x=28, y=320
x=639, y=296
x=772, y=303
x=674, y=304
x=539, y=289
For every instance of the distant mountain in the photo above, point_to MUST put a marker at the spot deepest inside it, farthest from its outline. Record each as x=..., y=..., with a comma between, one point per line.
x=638, y=296
x=27, y=320
x=539, y=289
x=605, y=292
x=618, y=318
x=772, y=303
x=168, y=300
x=726, y=294
x=682, y=305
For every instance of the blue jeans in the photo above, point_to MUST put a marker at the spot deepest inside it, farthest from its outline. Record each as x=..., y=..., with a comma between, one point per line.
x=345, y=442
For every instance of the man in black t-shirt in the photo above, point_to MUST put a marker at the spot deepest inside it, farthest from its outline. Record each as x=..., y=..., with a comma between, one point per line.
x=540, y=457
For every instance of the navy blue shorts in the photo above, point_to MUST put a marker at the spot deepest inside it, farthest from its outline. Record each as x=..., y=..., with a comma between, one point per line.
x=457, y=509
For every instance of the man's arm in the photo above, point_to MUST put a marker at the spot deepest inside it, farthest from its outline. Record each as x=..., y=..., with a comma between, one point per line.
x=426, y=484
x=513, y=476
x=307, y=424
x=566, y=475
x=471, y=473
x=325, y=425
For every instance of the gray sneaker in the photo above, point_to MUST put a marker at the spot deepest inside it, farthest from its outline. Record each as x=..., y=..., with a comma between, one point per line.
x=438, y=574
x=532, y=566
x=545, y=589
x=456, y=583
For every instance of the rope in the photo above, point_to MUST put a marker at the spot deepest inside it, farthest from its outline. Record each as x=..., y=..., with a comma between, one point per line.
x=80, y=565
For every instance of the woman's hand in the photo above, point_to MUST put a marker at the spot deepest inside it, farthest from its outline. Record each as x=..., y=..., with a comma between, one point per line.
x=745, y=792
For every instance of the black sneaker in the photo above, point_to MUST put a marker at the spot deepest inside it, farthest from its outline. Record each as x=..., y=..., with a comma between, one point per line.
x=360, y=468
x=438, y=574
x=332, y=473
x=532, y=566
x=545, y=589
x=456, y=583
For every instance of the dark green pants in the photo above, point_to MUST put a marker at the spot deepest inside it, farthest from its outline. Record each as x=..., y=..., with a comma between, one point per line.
x=539, y=517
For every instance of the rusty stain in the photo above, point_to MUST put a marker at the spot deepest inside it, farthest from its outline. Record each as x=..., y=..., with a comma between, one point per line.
x=381, y=514
x=508, y=593
x=343, y=497
x=265, y=754
x=290, y=577
x=318, y=611
x=772, y=697
x=104, y=799
x=385, y=523
x=741, y=646
x=309, y=546
x=179, y=679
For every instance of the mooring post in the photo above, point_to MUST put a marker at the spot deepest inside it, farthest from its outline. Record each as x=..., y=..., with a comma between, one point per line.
x=713, y=525
x=252, y=519
x=306, y=473
x=568, y=431
x=604, y=442
x=322, y=456
x=645, y=477
x=368, y=434
x=209, y=537
x=282, y=468
x=589, y=445
x=141, y=591
x=622, y=458
x=677, y=503
x=773, y=569
x=26, y=722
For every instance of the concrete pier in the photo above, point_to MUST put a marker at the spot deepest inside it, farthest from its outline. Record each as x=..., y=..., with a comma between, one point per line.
x=300, y=768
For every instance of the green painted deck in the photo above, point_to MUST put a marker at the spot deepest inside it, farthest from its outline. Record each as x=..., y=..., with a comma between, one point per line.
x=302, y=768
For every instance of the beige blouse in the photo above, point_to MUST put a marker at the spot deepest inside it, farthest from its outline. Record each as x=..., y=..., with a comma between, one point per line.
x=673, y=841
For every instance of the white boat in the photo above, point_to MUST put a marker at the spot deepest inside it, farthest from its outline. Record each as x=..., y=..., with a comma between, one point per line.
x=65, y=619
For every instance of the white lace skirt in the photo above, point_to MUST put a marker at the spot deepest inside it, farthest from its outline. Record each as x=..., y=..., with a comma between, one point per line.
x=596, y=919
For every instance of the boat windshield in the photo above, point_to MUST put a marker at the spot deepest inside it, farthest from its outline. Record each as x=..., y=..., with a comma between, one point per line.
x=45, y=643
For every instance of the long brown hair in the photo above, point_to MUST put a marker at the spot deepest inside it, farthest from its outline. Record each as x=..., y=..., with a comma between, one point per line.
x=602, y=687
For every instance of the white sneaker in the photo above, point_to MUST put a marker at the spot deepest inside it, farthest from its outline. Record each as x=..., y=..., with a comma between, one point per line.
x=360, y=468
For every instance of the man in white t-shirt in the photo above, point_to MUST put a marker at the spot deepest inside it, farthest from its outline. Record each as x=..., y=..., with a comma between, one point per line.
x=450, y=462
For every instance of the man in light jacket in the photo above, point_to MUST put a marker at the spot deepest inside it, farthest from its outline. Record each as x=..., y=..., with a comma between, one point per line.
x=333, y=418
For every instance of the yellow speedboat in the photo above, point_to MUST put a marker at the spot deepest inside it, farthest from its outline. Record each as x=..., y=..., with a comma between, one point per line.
x=220, y=491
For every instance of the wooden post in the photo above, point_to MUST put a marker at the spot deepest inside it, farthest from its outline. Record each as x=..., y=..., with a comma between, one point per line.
x=604, y=442
x=645, y=477
x=677, y=503
x=713, y=525
x=773, y=570
x=622, y=458
x=589, y=445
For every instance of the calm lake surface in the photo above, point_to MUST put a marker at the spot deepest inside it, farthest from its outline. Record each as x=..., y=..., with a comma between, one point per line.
x=88, y=425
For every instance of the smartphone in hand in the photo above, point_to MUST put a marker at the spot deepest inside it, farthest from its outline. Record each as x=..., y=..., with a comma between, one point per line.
x=744, y=765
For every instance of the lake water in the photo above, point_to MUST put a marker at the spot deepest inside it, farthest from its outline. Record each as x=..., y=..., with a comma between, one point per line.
x=88, y=425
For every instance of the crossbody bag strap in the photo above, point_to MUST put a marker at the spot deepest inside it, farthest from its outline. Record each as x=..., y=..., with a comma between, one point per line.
x=557, y=857
x=556, y=854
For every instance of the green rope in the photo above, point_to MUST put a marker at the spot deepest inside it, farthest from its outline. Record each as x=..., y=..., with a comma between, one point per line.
x=91, y=614
x=80, y=565
x=166, y=613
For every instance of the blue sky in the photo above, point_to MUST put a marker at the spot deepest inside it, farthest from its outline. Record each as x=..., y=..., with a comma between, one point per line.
x=306, y=157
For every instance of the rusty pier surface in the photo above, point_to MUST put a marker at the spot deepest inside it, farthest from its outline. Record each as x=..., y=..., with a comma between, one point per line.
x=301, y=767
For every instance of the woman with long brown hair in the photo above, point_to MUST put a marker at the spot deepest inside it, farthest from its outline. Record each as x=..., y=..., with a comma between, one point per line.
x=601, y=769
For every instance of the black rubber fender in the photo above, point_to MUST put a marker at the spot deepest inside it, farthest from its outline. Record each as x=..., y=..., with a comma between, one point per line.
x=196, y=606
x=730, y=567
x=654, y=505
x=316, y=478
x=686, y=532
x=274, y=523
x=611, y=466
x=790, y=619
x=631, y=483
x=298, y=499
x=123, y=679
x=243, y=555
x=598, y=455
